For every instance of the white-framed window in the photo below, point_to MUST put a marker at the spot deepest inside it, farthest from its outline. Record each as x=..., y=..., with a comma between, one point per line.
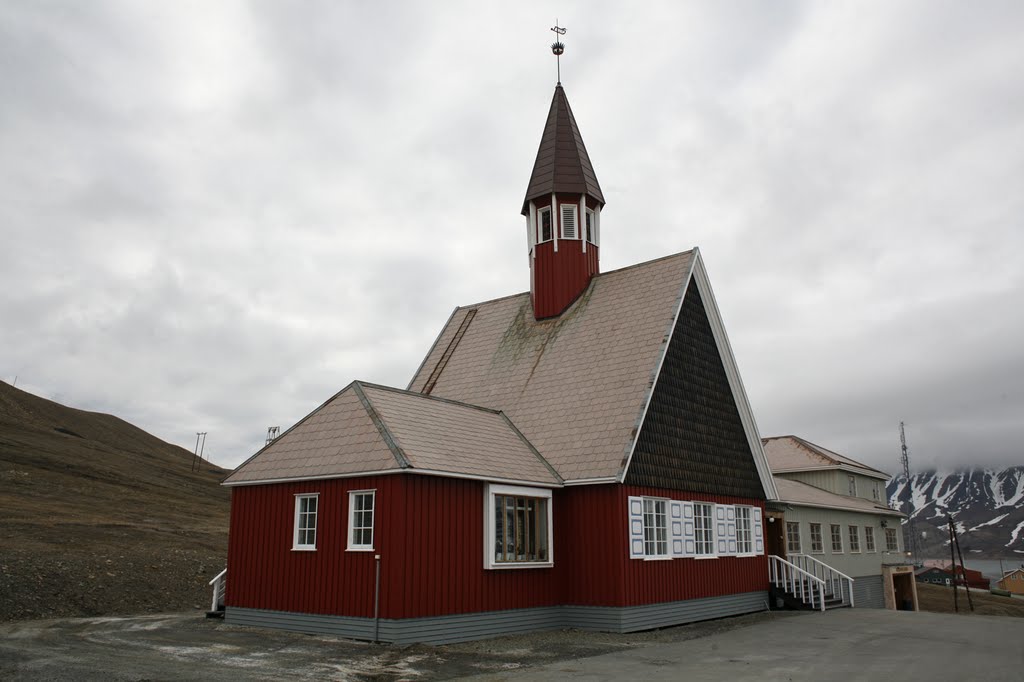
x=869, y=538
x=792, y=537
x=744, y=533
x=517, y=526
x=854, y=536
x=591, y=226
x=361, y=505
x=874, y=490
x=704, y=529
x=544, y=228
x=304, y=537
x=817, y=543
x=837, y=539
x=568, y=216
x=655, y=528
x=851, y=483
x=892, y=543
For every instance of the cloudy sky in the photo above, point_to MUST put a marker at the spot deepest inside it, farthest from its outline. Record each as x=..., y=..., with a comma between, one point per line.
x=214, y=215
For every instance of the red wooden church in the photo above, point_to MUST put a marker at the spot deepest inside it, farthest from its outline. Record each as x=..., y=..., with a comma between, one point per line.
x=580, y=455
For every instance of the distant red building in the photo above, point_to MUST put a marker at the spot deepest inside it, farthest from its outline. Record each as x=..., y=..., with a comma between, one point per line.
x=968, y=576
x=580, y=455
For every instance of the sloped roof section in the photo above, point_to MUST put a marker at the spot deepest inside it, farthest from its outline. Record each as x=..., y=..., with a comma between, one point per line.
x=374, y=429
x=791, y=453
x=447, y=436
x=802, y=494
x=337, y=439
x=562, y=163
x=575, y=385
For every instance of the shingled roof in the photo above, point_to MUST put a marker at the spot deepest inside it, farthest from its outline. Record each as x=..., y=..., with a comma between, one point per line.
x=577, y=385
x=804, y=495
x=374, y=429
x=792, y=453
x=562, y=163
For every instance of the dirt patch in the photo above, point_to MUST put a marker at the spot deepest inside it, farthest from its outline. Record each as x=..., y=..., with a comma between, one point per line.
x=939, y=599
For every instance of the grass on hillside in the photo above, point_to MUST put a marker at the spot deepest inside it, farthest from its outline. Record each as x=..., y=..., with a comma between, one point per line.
x=939, y=599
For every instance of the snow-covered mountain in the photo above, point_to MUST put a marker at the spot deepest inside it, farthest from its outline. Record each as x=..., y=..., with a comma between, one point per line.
x=987, y=506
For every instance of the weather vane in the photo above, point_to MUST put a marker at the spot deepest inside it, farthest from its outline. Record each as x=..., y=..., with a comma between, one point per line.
x=557, y=48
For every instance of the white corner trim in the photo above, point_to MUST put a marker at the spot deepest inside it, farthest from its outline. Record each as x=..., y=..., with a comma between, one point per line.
x=657, y=370
x=732, y=372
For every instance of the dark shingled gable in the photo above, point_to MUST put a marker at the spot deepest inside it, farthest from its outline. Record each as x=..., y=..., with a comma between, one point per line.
x=692, y=438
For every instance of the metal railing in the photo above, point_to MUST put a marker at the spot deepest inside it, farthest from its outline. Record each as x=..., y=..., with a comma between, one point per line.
x=219, y=584
x=804, y=585
x=839, y=583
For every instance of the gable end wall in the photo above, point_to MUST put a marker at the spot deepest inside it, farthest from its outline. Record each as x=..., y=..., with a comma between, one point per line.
x=692, y=437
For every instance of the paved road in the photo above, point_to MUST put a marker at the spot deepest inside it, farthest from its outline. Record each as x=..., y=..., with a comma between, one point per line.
x=839, y=645
x=845, y=644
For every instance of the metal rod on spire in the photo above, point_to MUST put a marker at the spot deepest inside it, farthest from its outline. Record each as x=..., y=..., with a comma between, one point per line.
x=557, y=48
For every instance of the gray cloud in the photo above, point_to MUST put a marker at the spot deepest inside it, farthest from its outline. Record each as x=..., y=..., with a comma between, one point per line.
x=216, y=216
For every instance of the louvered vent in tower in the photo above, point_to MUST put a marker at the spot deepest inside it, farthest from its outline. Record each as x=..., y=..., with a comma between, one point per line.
x=569, y=221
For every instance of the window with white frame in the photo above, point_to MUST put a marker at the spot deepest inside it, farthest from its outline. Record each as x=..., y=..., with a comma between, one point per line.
x=792, y=537
x=892, y=544
x=851, y=483
x=360, y=519
x=874, y=490
x=655, y=527
x=837, y=538
x=304, y=536
x=518, y=527
x=817, y=543
x=744, y=535
x=568, y=217
x=869, y=538
x=544, y=233
x=854, y=539
x=703, y=525
x=591, y=227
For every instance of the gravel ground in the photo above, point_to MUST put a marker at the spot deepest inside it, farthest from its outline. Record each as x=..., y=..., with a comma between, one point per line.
x=187, y=647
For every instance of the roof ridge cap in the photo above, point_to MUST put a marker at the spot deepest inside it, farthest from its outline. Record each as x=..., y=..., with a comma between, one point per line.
x=385, y=433
x=426, y=396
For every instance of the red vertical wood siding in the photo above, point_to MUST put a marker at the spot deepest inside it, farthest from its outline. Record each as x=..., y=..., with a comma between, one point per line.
x=559, y=277
x=650, y=582
x=429, y=532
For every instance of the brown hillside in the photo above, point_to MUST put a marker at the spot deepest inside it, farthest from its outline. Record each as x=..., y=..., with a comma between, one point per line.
x=98, y=517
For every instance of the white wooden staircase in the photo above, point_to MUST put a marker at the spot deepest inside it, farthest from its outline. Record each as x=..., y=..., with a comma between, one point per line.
x=219, y=584
x=804, y=582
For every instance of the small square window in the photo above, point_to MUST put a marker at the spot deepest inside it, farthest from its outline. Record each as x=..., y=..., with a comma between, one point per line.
x=817, y=544
x=544, y=218
x=793, y=537
x=304, y=537
x=837, y=538
x=360, y=519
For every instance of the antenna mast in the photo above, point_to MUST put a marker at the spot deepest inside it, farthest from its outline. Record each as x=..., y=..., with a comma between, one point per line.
x=911, y=543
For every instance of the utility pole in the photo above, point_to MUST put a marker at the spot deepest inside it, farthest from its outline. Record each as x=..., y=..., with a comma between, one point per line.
x=198, y=454
x=912, y=543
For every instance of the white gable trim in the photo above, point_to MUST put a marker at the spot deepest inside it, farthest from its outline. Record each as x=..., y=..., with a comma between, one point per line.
x=698, y=275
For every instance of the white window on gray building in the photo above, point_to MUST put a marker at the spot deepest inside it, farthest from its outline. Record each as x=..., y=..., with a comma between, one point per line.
x=837, y=539
x=792, y=537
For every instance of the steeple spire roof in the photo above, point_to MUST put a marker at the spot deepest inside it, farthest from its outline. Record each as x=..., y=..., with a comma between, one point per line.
x=562, y=165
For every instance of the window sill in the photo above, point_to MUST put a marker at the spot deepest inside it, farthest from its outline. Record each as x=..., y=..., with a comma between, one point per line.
x=524, y=564
x=705, y=556
x=303, y=549
x=657, y=557
x=359, y=549
x=747, y=555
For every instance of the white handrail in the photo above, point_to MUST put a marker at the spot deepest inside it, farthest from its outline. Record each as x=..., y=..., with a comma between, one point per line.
x=833, y=576
x=796, y=581
x=219, y=585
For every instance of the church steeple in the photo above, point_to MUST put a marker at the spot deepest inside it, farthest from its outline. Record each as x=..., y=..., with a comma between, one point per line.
x=563, y=212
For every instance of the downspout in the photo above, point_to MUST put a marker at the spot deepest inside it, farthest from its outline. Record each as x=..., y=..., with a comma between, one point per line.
x=376, y=603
